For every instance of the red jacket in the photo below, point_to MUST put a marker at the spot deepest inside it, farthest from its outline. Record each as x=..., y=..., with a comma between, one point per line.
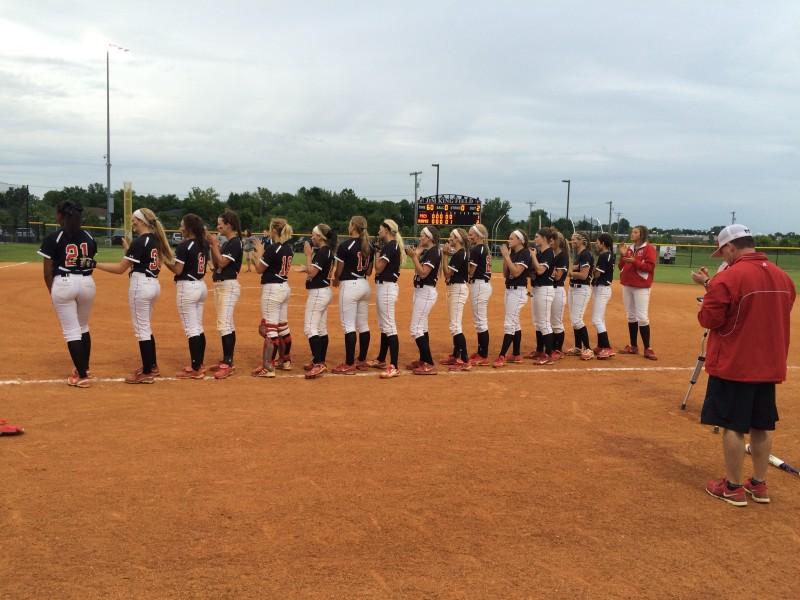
x=747, y=309
x=639, y=273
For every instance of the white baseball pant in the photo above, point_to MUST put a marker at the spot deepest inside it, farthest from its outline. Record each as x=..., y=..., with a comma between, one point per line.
x=226, y=295
x=143, y=291
x=557, y=309
x=190, y=296
x=354, y=305
x=424, y=299
x=72, y=298
x=601, y=294
x=316, y=318
x=637, y=304
x=481, y=292
x=515, y=301
x=457, y=294
x=577, y=300
x=275, y=307
x=543, y=298
x=386, y=301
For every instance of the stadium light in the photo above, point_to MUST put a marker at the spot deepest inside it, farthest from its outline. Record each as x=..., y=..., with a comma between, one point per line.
x=109, y=203
x=437, y=179
x=568, y=182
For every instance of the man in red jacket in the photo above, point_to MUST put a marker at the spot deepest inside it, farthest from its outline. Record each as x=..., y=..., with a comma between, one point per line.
x=746, y=310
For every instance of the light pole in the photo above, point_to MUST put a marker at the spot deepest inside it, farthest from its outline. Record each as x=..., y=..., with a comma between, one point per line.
x=437, y=179
x=415, y=175
x=568, y=182
x=109, y=202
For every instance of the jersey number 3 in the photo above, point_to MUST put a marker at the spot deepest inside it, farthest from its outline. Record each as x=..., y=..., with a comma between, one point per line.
x=72, y=253
x=155, y=263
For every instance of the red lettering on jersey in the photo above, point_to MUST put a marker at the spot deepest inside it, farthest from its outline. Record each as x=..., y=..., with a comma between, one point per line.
x=362, y=264
x=72, y=253
x=286, y=263
x=155, y=261
x=201, y=264
x=489, y=264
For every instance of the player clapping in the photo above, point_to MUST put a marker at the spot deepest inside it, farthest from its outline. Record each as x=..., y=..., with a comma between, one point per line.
x=426, y=257
x=455, y=268
x=516, y=264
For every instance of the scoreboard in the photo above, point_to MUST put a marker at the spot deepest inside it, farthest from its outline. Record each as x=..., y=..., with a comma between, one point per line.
x=448, y=210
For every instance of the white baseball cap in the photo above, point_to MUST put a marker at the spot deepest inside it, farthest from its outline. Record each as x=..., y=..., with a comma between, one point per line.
x=730, y=233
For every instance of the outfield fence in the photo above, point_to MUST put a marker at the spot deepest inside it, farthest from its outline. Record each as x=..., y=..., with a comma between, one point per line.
x=670, y=255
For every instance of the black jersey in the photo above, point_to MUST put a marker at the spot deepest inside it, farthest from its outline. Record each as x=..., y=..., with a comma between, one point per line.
x=232, y=250
x=64, y=249
x=520, y=257
x=431, y=257
x=604, y=268
x=278, y=259
x=192, y=255
x=356, y=264
x=459, y=267
x=585, y=259
x=143, y=254
x=481, y=259
x=390, y=254
x=561, y=264
x=546, y=259
x=322, y=259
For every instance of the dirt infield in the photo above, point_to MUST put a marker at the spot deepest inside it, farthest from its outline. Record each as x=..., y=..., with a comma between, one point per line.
x=577, y=480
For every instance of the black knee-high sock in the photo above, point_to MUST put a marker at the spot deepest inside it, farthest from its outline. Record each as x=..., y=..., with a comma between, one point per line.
x=539, y=341
x=602, y=340
x=146, y=348
x=195, y=346
x=420, y=341
x=428, y=356
x=517, y=342
x=585, y=337
x=286, y=345
x=547, y=340
x=508, y=339
x=227, y=348
x=384, y=347
x=323, y=350
x=78, y=356
x=633, y=330
x=558, y=342
x=645, y=331
x=363, y=345
x=153, y=351
x=350, y=348
x=274, y=351
x=462, y=344
x=87, y=348
x=483, y=344
x=314, y=344
x=578, y=338
x=394, y=348
x=202, y=348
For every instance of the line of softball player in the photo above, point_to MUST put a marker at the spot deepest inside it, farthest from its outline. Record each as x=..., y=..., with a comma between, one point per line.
x=464, y=262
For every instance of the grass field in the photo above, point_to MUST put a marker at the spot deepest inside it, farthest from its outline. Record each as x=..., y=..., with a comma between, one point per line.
x=679, y=273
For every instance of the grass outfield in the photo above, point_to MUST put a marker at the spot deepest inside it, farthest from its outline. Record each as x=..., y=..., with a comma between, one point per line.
x=15, y=253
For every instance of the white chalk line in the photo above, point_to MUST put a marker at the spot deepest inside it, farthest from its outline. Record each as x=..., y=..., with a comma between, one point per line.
x=14, y=265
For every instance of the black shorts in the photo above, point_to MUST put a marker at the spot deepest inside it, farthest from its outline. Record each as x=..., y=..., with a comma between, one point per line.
x=739, y=406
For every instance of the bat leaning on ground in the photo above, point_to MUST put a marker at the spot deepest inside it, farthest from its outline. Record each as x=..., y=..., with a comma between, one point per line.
x=777, y=462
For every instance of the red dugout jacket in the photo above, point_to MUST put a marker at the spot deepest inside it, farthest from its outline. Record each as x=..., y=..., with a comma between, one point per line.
x=639, y=273
x=747, y=311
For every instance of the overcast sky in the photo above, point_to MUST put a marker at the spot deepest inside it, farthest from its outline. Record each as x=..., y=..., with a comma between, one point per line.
x=677, y=112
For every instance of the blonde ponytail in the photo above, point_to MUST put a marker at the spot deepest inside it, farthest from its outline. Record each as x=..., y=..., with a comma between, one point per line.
x=162, y=243
x=359, y=223
x=283, y=228
x=395, y=231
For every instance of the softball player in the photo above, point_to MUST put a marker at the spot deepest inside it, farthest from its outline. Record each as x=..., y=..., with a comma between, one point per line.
x=353, y=266
x=142, y=260
x=542, y=269
x=227, y=264
x=516, y=264
x=68, y=277
x=387, y=272
x=637, y=265
x=455, y=268
x=273, y=263
x=427, y=258
x=318, y=283
x=580, y=279
x=480, y=277
x=191, y=257
x=561, y=266
x=601, y=293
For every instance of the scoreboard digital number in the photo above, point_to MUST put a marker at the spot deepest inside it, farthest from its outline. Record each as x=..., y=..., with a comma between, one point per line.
x=448, y=210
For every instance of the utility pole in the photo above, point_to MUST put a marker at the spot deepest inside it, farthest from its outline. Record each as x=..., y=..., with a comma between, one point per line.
x=619, y=214
x=437, y=180
x=569, y=183
x=531, y=204
x=610, y=204
x=733, y=217
x=415, y=175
